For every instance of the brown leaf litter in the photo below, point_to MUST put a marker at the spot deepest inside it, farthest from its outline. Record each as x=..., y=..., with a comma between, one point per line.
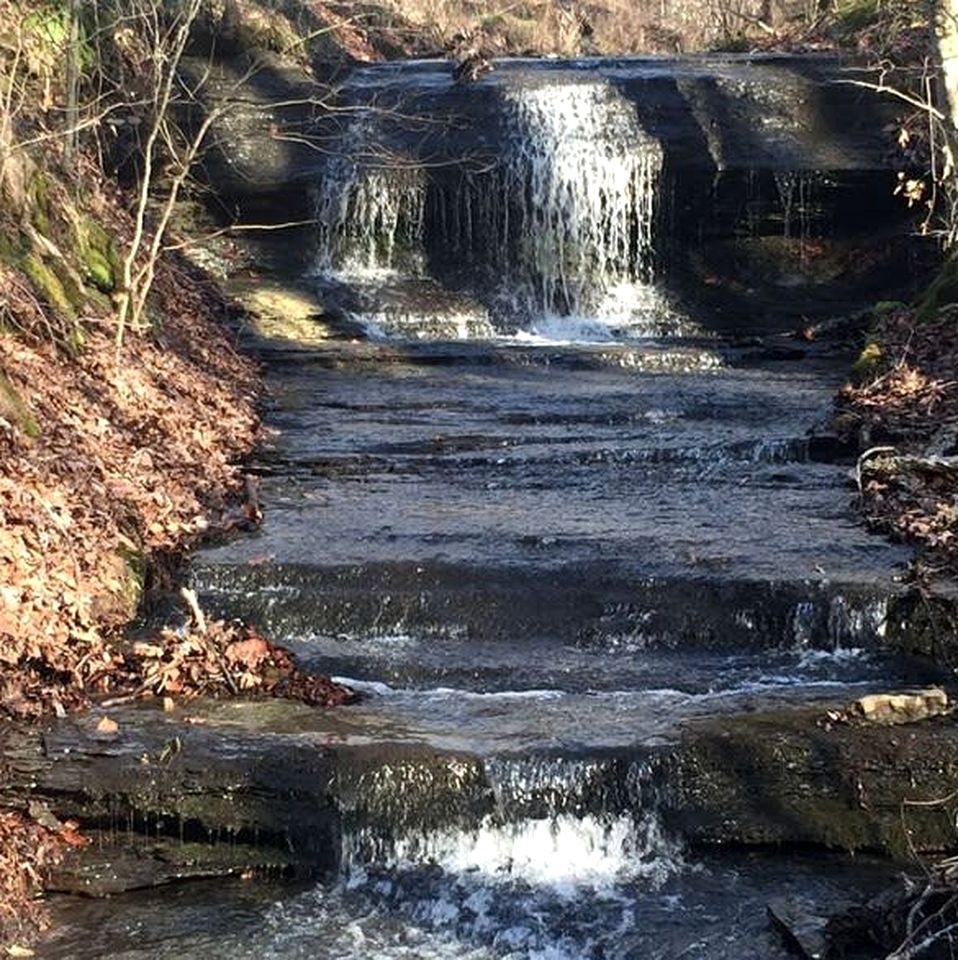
x=905, y=417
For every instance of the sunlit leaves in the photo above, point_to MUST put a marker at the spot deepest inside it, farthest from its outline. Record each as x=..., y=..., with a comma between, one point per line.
x=911, y=188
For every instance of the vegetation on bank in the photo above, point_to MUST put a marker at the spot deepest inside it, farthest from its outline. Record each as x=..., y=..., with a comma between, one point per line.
x=125, y=410
x=351, y=30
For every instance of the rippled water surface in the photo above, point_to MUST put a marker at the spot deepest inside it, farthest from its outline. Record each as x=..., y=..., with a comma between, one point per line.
x=662, y=909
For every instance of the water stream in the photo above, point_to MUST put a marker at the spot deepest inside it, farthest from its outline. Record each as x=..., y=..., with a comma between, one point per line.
x=542, y=517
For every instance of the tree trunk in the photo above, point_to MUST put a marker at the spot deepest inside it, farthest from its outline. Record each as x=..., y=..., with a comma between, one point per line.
x=73, y=81
x=946, y=35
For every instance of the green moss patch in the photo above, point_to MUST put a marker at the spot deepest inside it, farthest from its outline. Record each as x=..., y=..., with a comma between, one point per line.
x=97, y=254
x=14, y=409
x=50, y=286
x=869, y=360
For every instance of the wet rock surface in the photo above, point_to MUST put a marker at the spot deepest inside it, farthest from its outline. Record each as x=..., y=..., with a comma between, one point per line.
x=792, y=778
x=281, y=789
x=522, y=496
x=587, y=605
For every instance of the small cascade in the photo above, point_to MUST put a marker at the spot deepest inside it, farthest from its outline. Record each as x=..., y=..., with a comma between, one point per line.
x=556, y=235
x=369, y=219
x=840, y=626
x=554, y=822
x=567, y=222
x=562, y=852
x=368, y=206
x=550, y=786
x=553, y=869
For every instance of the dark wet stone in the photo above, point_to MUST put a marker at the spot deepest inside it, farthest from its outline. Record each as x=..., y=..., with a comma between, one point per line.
x=790, y=777
x=117, y=862
x=802, y=929
x=720, y=111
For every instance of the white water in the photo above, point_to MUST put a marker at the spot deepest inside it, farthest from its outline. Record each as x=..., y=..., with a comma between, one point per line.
x=369, y=210
x=582, y=180
x=560, y=235
x=562, y=853
x=552, y=887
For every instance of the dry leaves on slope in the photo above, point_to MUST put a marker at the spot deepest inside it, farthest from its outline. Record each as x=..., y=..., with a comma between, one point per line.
x=220, y=658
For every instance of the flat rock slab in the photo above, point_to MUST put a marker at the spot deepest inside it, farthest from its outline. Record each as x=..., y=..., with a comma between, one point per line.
x=118, y=861
x=270, y=788
x=800, y=927
x=716, y=112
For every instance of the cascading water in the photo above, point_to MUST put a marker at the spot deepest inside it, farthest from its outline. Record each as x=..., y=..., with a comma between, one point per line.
x=556, y=236
x=554, y=867
x=568, y=221
x=368, y=210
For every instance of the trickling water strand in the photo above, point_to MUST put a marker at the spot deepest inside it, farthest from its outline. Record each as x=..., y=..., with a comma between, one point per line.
x=800, y=632
x=841, y=625
x=856, y=625
x=786, y=183
x=797, y=194
x=369, y=214
x=549, y=786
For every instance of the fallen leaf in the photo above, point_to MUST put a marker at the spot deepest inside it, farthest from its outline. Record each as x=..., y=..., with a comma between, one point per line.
x=107, y=726
x=250, y=653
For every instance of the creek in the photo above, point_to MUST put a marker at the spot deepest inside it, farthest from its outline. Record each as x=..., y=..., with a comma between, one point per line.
x=559, y=486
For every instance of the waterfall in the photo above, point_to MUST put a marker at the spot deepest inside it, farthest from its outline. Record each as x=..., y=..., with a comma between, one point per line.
x=569, y=216
x=560, y=224
x=556, y=822
x=368, y=209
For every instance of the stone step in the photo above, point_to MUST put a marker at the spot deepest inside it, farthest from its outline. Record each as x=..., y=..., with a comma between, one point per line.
x=298, y=788
x=584, y=603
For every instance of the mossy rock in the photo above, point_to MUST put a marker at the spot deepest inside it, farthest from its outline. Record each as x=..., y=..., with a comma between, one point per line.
x=10, y=250
x=942, y=291
x=885, y=308
x=97, y=253
x=52, y=287
x=869, y=360
x=855, y=16
x=44, y=35
x=791, y=777
x=14, y=409
x=128, y=581
x=38, y=198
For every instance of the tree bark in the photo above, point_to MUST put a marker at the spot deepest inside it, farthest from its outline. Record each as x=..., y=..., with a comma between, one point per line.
x=73, y=81
x=946, y=36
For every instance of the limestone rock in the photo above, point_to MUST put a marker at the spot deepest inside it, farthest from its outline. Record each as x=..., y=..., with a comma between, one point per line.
x=906, y=707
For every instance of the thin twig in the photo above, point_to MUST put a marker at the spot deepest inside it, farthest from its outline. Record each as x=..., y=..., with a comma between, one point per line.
x=895, y=92
x=189, y=598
